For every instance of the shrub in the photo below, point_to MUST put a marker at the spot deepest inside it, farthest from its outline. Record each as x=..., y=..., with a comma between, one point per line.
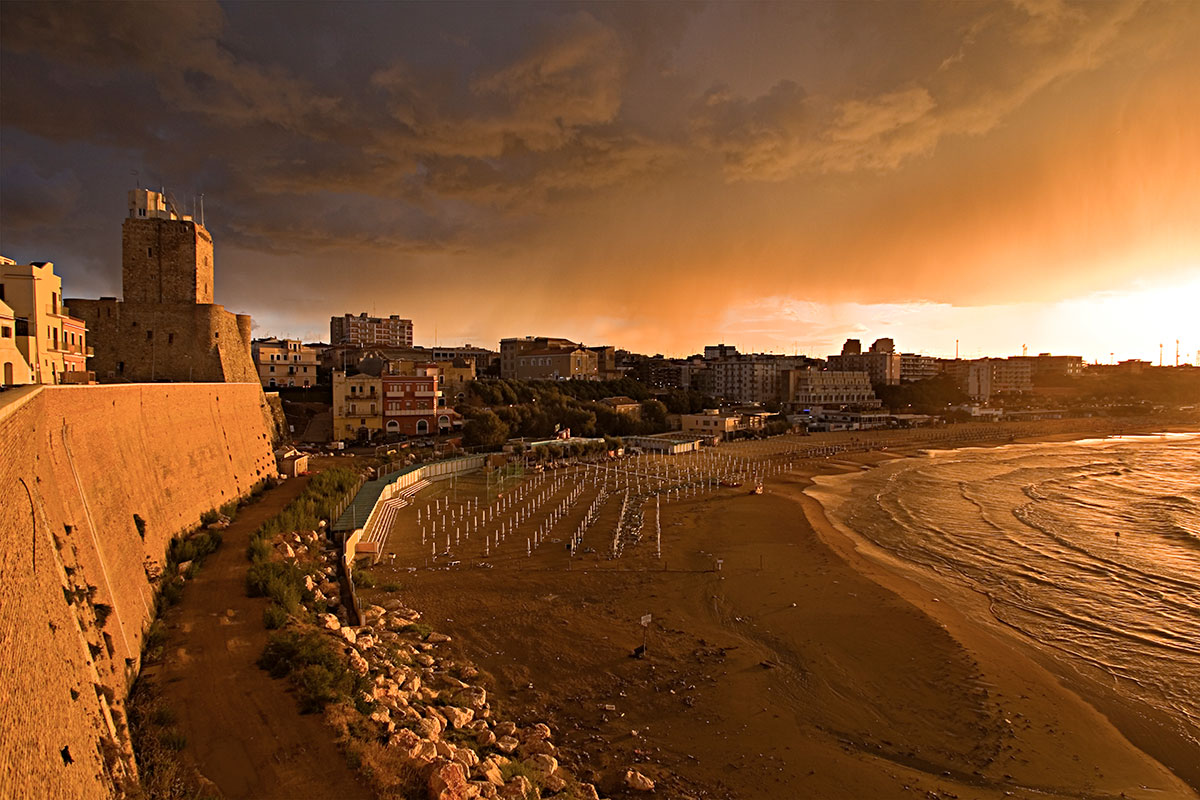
x=259, y=549
x=162, y=716
x=513, y=768
x=283, y=583
x=172, y=591
x=156, y=637
x=172, y=739
x=274, y=617
x=364, y=578
x=317, y=687
x=230, y=509
x=209, y=517
x=315, y=666
x=420, y=629
x=391, y=586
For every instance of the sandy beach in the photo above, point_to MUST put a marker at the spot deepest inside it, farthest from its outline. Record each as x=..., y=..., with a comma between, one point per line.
x=809, y=665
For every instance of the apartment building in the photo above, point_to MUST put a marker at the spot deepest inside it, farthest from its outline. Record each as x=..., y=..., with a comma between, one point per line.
x=364, y=331
x=809, y=387
x=51, y=343
x=916, y=367
x=413, y=403
x=285, y=362
x=513, y=348
x=357, y=406
x=880, y=362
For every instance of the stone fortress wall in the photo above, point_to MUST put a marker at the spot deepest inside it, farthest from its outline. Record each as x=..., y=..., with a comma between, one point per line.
x=148, y=341
x=76, y=593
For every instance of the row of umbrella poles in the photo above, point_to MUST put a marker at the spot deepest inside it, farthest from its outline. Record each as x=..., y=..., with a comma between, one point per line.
x=451, y=524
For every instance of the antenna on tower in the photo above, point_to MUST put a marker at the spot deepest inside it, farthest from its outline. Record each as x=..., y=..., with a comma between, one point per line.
x=956, y=349
x=202, y=208
x=1177, y=352
x=1024, y=349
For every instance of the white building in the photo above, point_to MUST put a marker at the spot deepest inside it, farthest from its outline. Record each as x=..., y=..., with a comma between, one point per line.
x=810, y=387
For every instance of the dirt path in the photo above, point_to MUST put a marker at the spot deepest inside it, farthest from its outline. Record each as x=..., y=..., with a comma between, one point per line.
x=244, y=731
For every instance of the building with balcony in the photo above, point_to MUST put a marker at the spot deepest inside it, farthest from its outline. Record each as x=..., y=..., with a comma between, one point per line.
x=916, y=367
x=285, y=362
x=357, y=406
x=808, y=388
x=985, y=378
x=880, y=361
x=364, y=331
x=413, y=403
x=51, y=343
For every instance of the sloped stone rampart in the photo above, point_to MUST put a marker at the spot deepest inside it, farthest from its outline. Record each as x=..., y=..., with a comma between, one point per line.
x=77, y=463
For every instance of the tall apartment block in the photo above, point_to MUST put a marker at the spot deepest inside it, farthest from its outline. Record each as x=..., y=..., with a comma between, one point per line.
x=364, y=331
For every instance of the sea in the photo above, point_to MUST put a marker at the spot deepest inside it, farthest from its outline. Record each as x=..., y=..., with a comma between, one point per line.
x=1090, y=548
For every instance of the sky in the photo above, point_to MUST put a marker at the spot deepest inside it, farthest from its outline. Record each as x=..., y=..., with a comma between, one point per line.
x=655, y=176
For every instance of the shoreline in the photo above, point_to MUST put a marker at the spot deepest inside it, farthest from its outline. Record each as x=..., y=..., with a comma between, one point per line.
x=1130, y=719
x=797, y=668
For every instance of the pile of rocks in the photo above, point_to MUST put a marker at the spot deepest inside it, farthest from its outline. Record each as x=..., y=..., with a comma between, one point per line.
x=428, y=709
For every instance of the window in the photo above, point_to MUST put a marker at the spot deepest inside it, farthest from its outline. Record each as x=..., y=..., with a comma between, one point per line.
x=149, y=251
x=149, y=335
x=170, y=338
x=5, y=332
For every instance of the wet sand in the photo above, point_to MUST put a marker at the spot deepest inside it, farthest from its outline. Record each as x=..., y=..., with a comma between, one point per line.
x=808, y=666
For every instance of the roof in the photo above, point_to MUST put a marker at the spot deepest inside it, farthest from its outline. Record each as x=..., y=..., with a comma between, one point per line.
x=620, y=400
x=557, y=351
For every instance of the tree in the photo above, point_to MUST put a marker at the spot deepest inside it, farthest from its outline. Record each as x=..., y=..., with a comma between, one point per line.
x=485, y=429
x=654, y=414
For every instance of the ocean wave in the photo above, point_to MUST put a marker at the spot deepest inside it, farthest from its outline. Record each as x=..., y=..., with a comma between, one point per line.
x=1034, y=527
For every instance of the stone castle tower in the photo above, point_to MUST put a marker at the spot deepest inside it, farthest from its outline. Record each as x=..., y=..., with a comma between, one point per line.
x=166, y=257
x=166, y=328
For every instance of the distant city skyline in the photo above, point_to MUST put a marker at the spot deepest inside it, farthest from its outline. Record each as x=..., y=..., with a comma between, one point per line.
x=655, y=176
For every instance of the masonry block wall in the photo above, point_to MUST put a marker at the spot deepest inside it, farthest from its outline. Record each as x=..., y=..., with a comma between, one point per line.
x=143, y=341
x=76, y=585
x=166, y=261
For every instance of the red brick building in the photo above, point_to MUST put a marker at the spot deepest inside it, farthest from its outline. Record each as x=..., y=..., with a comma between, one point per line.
x=413, y=404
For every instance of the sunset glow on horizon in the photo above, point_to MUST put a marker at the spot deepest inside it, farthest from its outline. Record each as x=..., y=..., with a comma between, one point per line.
x=653, y=176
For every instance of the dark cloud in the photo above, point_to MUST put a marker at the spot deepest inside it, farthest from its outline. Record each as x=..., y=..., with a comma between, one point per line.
x=645, y=142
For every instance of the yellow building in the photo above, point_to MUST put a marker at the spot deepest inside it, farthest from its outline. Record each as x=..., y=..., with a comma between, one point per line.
x=285, y=362
x=712, y=423
x=14, y=369
x=357, y=406
x=51, y=341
